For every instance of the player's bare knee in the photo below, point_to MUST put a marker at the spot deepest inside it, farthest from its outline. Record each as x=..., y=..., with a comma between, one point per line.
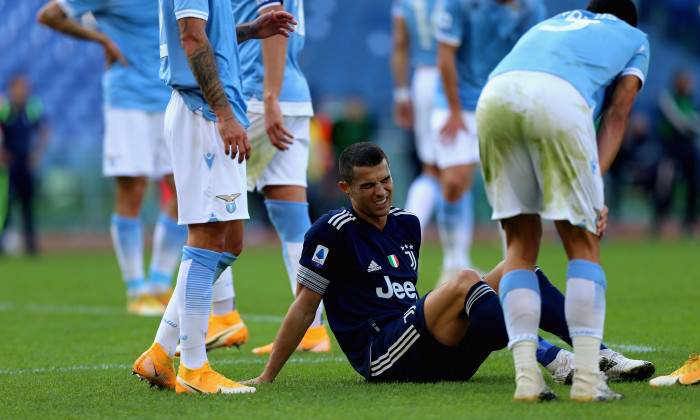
x=453, y=189
x=464, y=281
x=493, y=277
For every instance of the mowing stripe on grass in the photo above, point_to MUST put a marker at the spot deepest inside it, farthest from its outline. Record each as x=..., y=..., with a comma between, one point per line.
x=102, y=310
x=109, y=366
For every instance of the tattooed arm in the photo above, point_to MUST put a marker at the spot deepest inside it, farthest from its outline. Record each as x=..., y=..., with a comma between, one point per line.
x=53, y=16
x=277, y=22
x=200, y=56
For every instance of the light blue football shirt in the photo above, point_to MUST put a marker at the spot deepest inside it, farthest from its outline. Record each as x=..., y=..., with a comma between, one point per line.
x=221, y=32
x=484, y=32
x=133, y=26
x=295, y=88
x=420, y=17
x=588, y=50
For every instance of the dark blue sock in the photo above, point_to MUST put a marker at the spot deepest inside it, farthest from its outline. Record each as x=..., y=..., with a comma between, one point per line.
x=546, y=351
x=553, y=319
x=487, y=328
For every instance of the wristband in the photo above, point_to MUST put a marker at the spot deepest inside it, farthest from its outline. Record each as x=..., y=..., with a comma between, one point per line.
x=402, y=94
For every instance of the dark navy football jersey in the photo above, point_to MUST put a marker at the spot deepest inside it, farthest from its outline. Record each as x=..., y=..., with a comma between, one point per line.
x=367, y=277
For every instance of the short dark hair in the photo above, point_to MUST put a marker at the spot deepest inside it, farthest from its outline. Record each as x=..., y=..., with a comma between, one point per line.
x=363, y=154
x=623, y=9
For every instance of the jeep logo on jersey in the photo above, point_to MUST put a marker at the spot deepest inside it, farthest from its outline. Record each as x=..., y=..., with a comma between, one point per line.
x=229, y=199
x=407, y=289
x=320, y=256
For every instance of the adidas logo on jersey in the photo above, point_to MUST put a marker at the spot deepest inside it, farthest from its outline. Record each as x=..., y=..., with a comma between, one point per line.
x=373, y=266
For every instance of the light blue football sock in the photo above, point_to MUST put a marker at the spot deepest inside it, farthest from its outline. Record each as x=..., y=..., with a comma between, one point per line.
x=291, y=221
x=223, y=299
x=584, y=306
x=197, y=273
x=520, y=298
x=455, y=222
x=128, y=244
x=168, y=240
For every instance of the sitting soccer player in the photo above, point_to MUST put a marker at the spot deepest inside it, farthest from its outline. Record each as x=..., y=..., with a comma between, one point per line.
x=363, y=263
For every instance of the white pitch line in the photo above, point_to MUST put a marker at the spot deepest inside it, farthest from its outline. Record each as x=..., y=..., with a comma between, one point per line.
x=634, y=348
x=102, y=310
x=118, y=366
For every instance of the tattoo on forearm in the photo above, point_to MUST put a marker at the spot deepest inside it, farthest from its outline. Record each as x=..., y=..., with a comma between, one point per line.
x=203, y=65
x=243, y=32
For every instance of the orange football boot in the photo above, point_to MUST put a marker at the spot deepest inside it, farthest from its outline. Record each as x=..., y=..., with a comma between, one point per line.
x=155, y=367
x=316, y=340
x=205, y=381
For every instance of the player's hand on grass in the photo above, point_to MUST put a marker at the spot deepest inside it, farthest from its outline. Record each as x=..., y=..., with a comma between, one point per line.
x=274, y=126
x=403, y=114
x=254, y=381
x=271, y=24
x=234, y=137
x=113, y=53
x=602, y=222
x=453, y=125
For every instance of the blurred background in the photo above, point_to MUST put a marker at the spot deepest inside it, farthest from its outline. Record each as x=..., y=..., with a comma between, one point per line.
x=652, y=189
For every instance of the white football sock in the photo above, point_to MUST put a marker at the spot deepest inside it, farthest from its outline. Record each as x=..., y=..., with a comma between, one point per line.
x=586, y=353
x=169, y=329
x=223, y=300
x=422, y=197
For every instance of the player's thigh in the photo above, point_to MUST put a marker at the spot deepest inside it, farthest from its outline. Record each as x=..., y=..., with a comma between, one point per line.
x=288, y=167
x=210, y=185
x=463, y=149
x=507, y=167
x=423, y=86
x=129, y=146
x=405, y=350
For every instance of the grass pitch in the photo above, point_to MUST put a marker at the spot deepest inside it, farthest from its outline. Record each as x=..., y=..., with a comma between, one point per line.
x=66, y=346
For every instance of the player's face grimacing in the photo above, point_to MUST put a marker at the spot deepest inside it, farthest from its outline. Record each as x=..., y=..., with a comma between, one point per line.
x=370, y=192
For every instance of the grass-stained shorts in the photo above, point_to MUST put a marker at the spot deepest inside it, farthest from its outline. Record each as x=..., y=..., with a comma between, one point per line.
x=538, y=149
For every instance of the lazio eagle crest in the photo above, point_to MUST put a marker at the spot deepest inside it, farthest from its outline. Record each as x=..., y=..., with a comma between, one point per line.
x=229, y=199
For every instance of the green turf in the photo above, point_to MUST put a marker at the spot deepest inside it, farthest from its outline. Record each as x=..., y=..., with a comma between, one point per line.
x=66, y=348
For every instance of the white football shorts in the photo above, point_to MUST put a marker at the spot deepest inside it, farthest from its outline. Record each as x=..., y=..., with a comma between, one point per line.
x=134, y=144
x=210, y=185
x=538, y=149
x=270, y=166
x=423, y=86
x=461, y=150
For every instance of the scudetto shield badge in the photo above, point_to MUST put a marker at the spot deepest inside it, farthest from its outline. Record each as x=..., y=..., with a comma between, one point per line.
x=230, y=203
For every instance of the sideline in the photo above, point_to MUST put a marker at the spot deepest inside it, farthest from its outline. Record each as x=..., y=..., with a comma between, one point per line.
x=121, y=366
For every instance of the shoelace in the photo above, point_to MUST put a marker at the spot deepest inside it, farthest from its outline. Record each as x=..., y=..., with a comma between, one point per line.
x=693, y=358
